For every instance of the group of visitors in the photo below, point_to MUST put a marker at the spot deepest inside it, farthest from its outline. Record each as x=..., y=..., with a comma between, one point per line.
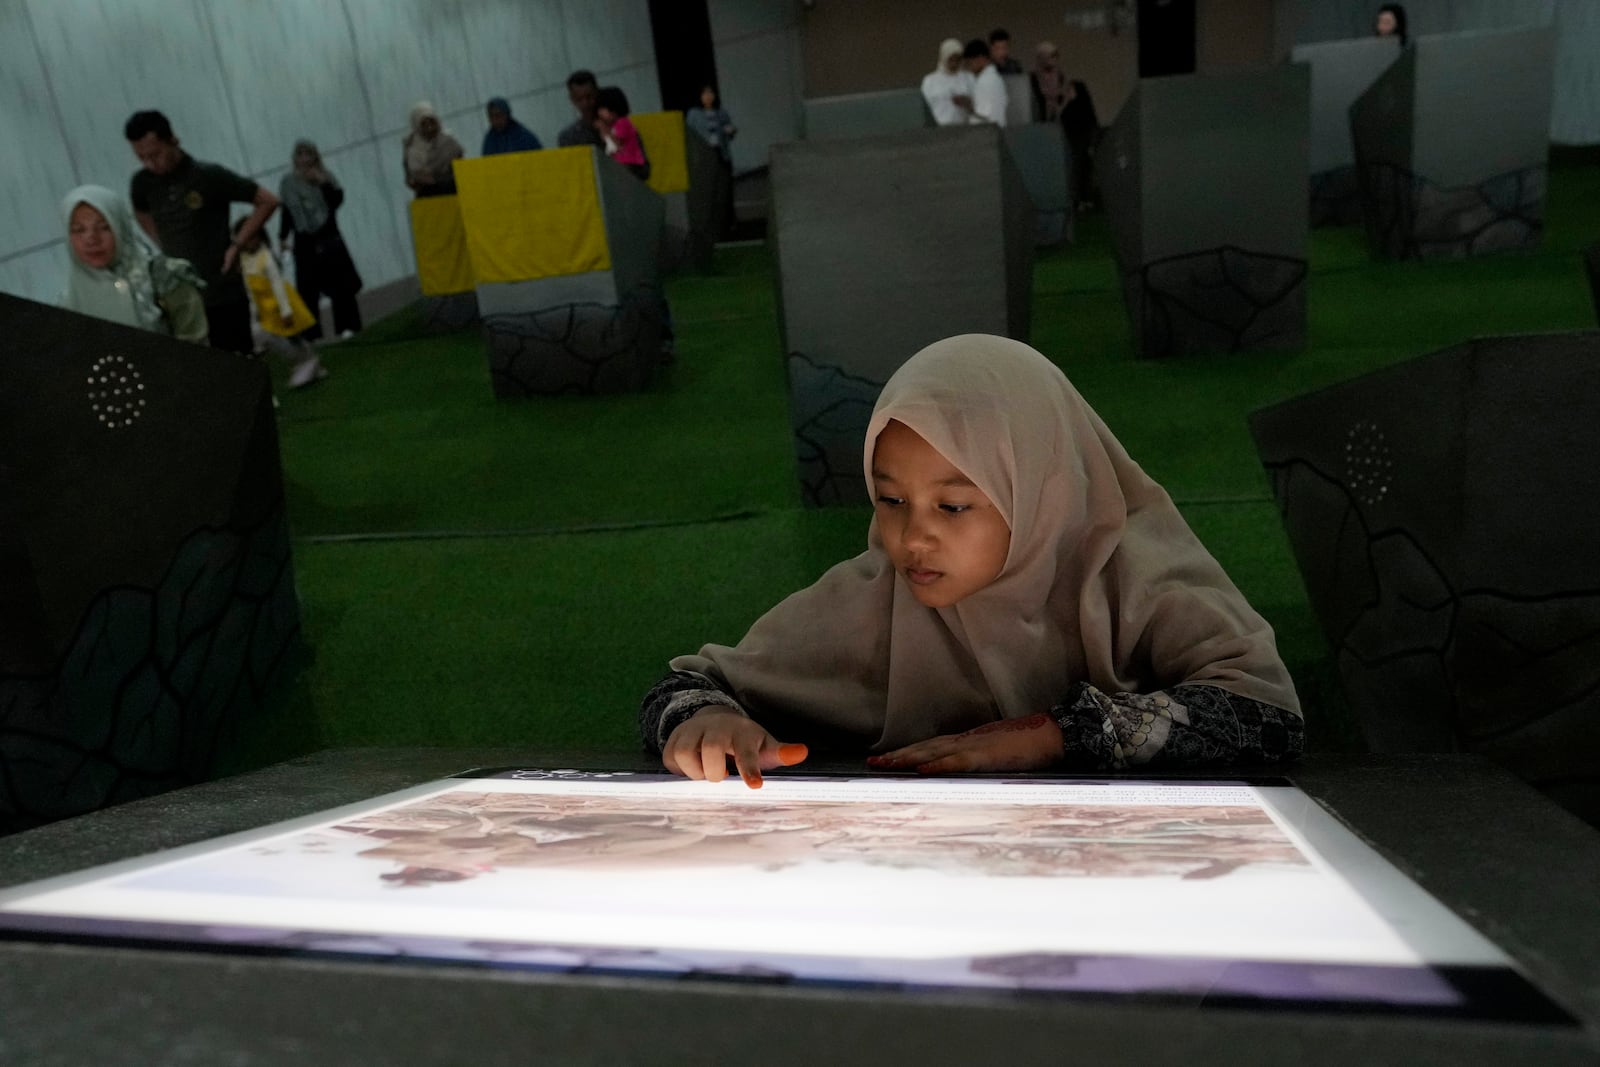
x=967, y=87
x=602, y=121
x=166, y=257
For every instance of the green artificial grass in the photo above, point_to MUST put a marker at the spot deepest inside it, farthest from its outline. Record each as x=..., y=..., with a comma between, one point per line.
x=475, y=571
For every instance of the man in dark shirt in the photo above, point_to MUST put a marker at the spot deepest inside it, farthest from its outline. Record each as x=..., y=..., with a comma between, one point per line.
x=183, y=205
x=1000, y=52
x=584, y=92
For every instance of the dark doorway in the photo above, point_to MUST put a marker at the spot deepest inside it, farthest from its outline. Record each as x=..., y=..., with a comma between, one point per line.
x=1166, y=37
x=685, y=58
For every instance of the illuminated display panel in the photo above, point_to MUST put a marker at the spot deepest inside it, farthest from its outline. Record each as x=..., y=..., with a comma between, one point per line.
x=1217, y=893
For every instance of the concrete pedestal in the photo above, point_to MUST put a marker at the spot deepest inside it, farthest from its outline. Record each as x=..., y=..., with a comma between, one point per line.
x=147, y=597
x=444, y=269
x=1039, y=149
x=1442, y=513
x=709, y=202
x=832, y=118
x=1591, y=267
x=1450, y=143
x=586, y=315
x=1203, y=178
x=884, y=245
x=1340, y=72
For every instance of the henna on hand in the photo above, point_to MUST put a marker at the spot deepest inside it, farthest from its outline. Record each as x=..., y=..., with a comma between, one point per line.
x=1035, y=742
x=1006, y=726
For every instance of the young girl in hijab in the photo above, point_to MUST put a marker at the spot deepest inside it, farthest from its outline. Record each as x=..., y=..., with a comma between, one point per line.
x=1029, y=598
x=279, y=309
x=114, y=273
x=429, y=150
x=311, y=197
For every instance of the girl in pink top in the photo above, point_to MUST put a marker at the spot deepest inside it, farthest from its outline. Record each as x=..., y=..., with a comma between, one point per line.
x=621, y=138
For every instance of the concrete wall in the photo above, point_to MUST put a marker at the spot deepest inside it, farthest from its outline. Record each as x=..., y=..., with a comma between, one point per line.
x=759, y=71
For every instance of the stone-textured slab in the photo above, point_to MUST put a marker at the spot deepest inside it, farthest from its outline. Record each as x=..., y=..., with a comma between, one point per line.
x=1486, y=845
x=444, y=268
x=147, y=594
x=1443, y=515
x=831, y=118
x=1450, y=145
x=1044, y=160
x=1340, y=72
x=709, y=202
x=594, y=332
x=1203, y=178
x=885, y=245
x=1591, y=267
x=1019, y=99
x=451, y=313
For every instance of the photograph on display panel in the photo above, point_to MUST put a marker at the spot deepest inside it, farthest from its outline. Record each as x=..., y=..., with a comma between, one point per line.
x=1218, y=893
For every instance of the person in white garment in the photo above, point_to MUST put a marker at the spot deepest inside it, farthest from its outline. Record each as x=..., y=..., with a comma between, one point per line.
x=948, y=87
x=989, y=89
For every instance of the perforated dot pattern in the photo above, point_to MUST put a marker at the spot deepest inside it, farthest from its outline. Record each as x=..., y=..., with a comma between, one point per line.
x=1368, y=463
x=116, y=392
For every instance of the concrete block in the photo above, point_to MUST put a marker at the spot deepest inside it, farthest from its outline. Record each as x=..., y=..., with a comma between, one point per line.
x=1203, y=178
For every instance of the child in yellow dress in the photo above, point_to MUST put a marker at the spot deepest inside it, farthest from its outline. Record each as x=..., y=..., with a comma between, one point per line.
x=279, y=309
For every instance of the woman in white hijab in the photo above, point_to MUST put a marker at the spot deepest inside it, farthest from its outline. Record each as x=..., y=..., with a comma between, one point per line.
x=948, y=87
x=1029, y=598
x=115, y=274
x=429, y=151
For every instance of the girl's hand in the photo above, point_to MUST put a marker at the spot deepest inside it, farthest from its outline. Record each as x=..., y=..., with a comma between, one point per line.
x=701, y=746
x=1029, y=744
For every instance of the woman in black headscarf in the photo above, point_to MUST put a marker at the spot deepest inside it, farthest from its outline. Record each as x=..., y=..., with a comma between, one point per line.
x=322, y=263
x=1081, y=125
x=1391, y=22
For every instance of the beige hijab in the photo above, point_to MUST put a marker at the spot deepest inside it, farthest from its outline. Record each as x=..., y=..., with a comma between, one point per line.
x=1104, y=581
x=429, y=161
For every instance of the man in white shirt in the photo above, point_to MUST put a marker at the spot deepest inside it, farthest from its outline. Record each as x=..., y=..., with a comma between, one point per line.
x=948, y=87
x=989, y=91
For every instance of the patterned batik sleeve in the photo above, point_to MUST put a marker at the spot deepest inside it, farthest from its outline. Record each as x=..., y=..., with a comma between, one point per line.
x=672, y=700
x=1186, y=725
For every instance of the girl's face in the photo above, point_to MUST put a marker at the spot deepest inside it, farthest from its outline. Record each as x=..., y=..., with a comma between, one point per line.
x=708, y=98
x=1387, y=24
x=607, y=116
x=943, y=534
x=94, y=242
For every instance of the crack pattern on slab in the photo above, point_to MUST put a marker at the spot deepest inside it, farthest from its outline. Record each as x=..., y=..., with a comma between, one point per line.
x=154, y=679
x=579, y=348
